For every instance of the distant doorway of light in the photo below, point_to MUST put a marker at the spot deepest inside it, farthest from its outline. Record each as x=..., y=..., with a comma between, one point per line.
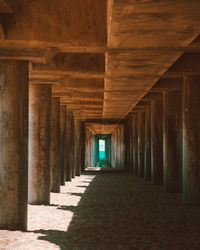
x=102, y=149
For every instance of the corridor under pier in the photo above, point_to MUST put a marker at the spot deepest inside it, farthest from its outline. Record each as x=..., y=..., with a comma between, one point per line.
x=99, y=124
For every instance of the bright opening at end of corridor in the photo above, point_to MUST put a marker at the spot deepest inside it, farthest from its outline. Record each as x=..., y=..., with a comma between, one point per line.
x=102, y=149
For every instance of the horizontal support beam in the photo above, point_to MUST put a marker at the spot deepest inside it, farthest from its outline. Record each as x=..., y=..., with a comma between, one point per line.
x=74, y=98
x=83, y=107
x=130, y=49
x=82, y=102
x=70, y=74
x=23, y=50
x=57, y=89
x=75, y=94
x=36, y=55
x=145, y=75
x=105, y=121
x=44, y=81
x=76, y=75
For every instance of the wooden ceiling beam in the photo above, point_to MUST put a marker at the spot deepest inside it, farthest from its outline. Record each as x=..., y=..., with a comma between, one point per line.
x=76, y=75
x=69, y=74
x=110, y=50
x=44, y=81
x=37, y=55
x=82, y=102
x=86, y=107
x=72, y=97
x=82, y=83
x=78, y=94
x=16, y=50
x=68, y=89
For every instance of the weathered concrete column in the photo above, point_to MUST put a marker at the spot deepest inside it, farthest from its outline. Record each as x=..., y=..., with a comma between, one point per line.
x=141, y=142
x=135, y=144
x=68, y=147
x=122, y=146
x=157, y=141
x=87, y=148
x=172, y=140
x=108, y=151
x=131, y=143
x=191, y=140
x=63, y=144
x=13, y=145
x=127, y=145
x=83, y=137
x=119, y=147
x=77, y=146
x=96, y=151
x=118, y=151
x=55, y=145
x=39, y=143
x=72, y=149
x=147, y=157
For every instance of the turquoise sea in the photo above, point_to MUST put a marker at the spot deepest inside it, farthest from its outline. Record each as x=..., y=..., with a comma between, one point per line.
x=101, y=154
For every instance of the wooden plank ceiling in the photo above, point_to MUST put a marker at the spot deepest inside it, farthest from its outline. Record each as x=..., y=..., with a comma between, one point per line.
x=101, y=57
x=99, y=128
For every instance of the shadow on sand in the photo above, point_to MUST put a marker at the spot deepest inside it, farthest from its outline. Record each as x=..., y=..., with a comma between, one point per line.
x=119, y=211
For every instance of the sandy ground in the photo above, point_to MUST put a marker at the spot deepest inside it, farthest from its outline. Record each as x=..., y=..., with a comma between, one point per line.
x=105, y=210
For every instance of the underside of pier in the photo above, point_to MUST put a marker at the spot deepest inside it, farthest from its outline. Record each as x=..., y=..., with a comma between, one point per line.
x=107, y=90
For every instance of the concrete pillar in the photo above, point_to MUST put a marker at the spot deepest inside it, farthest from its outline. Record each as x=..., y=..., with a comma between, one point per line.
x=127, y=145
x=119, y=147
x=88, y=148
x=108, y=151
x=13, y=145
x=131, y=143
x=97, y=149
x=72, y=149
x=77, y=146
x=92, y=149
x=147, y=158
x=157, y=141
x=63, y=144
x=39, y=144
x=87, y=152
x=83, y=146
x=141, y=142
x=55, y=145
x=118, y=150
x=122, y=146
x=113, y=150
x=68, y=147
x=172, y=140
x=135, y=144
x=191, y=140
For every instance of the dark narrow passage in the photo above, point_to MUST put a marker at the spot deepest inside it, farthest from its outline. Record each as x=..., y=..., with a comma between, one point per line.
x=119, y=211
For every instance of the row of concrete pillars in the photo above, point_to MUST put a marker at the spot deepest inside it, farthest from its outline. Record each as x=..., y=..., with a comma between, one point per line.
x=40, y=144
x=164, y=132
x=117, y=149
